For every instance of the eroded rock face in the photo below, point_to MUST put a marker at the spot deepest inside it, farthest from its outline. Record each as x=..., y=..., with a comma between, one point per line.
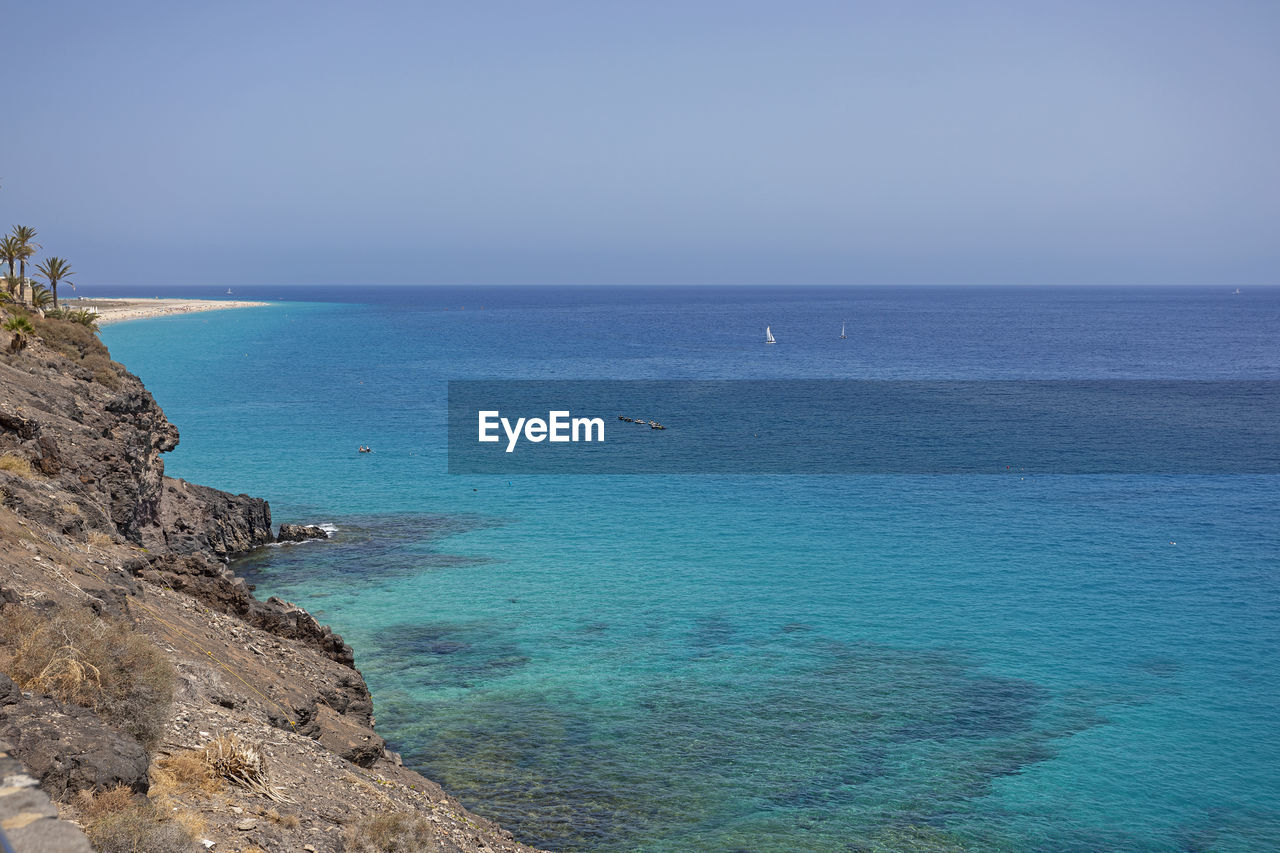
x=68, y=748
x=197, y=519
x=339, y=734
x=300, y=533
x=100, y=445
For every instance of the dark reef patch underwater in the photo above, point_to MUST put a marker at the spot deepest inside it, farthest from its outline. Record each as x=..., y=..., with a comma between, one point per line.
x=861, y=742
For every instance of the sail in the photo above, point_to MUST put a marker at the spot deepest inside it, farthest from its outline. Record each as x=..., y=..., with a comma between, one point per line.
x=768, y=335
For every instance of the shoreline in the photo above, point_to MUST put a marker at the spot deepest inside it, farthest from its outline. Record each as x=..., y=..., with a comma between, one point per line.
x=111, y=311
x=93, y=534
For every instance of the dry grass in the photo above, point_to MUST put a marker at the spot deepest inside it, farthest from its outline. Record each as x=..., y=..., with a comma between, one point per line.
x=395, y=832
x=119, y=821
x=98, y=539
x=80, y=344
x=100, y=664
x=103, y=370
x=288, y=821
x=15, y=464
x=71, y=339
x=185, y=772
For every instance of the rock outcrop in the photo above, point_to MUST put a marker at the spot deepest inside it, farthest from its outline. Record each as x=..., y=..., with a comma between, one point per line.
x=199, y=520
x=300, y=533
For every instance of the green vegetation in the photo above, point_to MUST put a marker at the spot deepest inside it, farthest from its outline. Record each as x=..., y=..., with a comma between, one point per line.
x=21, y=329
x=10, y=250
x=119, y=821
x=55, y=270
x=41, y=297
x=97, y=663
x=18, y=247
x=84, y=317
x=27, y=245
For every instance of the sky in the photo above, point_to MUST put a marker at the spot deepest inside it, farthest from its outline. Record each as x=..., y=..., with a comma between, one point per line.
x=691, y=142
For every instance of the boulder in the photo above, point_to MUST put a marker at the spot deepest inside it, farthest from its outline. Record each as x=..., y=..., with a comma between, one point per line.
x=300, y=533
x=66, y=747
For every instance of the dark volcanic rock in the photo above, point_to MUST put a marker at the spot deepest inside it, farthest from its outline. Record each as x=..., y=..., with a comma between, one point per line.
x=103, y=445
x=66, y=747
x=300, y=533
x=49, y=463
x=196, y=519
x=32, y=820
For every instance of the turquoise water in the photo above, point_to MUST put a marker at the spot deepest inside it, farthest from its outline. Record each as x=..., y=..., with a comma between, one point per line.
x=731, y=663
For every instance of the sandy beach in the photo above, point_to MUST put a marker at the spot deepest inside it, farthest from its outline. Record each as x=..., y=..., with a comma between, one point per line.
x=120, y=310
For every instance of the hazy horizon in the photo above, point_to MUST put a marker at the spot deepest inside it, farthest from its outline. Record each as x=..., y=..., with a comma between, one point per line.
x=693, y=144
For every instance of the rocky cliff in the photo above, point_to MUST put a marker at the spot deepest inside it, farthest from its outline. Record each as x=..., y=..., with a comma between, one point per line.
x=91, y=529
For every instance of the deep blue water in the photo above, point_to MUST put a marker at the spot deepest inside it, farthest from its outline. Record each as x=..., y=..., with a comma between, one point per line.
x=765, y=663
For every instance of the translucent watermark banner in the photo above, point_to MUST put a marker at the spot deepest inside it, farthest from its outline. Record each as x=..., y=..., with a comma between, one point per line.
x=864, y=427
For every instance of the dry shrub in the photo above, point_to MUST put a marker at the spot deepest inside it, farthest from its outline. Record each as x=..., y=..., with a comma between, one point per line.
x=241, y=762
x=98, y=539
x=395, y=832
x=71, y=339
x=101, y=664
x=119, y=821
x=103, y=370
x=185, y=772
x=15, y=464
x=80, y=344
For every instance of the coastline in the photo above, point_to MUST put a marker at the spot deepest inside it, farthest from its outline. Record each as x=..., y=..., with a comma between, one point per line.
x=94, y=538
x=122, y=310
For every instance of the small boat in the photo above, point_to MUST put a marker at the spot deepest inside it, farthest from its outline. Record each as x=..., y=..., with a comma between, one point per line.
x=843, y=336
x=768, y=336
x=228, y=291
x=1237, y=293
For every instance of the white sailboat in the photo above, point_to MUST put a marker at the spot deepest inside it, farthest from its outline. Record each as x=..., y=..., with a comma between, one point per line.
x=842, y=334
x=768, y=336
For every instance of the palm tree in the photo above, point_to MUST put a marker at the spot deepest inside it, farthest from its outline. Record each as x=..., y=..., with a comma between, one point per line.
x=26, y=237
x=20, y=327
x=41, y=297
x=10, y=250
x=55, y=270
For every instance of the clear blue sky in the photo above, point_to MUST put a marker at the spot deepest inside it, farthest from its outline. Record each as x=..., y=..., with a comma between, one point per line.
x=656, y=142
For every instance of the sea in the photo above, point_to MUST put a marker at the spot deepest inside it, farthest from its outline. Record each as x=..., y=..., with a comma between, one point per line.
x=1017, y=660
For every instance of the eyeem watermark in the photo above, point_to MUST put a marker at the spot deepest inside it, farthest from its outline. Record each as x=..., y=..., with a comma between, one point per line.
x=814, y=426
x=560, y=426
